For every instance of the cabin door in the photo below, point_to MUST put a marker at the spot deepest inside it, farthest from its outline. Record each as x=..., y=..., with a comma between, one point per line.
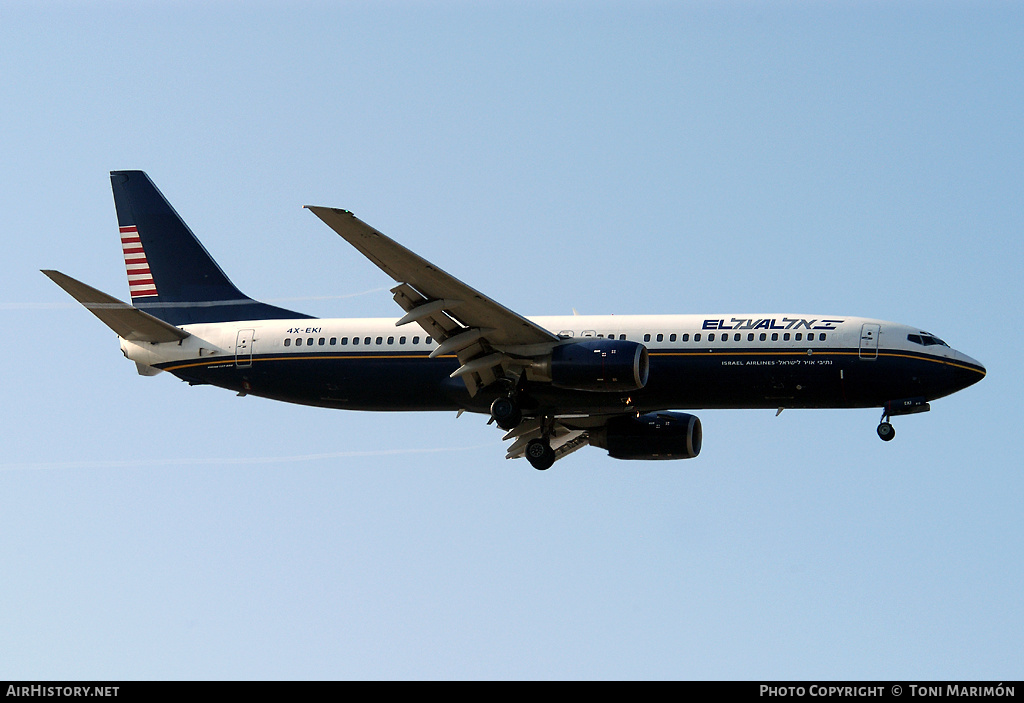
x=869, y=341
x=243, y=348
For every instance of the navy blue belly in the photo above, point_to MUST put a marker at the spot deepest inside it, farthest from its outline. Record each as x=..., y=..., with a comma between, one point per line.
x=737, y=378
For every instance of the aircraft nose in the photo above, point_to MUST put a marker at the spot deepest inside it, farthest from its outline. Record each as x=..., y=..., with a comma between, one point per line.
x=969, y=371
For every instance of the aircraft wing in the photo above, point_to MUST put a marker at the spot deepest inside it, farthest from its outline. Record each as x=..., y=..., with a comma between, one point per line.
x=488, y=338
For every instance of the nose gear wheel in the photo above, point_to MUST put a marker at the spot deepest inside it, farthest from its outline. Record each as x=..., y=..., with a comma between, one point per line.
x=886, y=432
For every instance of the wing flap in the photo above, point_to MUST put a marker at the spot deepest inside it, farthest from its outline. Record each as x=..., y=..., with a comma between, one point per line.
x=433, y=317
x=430, y=315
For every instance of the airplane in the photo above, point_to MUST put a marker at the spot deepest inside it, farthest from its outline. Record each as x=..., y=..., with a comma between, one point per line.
x=553, y=384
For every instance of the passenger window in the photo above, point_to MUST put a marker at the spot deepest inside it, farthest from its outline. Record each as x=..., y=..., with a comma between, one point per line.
x=416, y=339
x=750, y=337
x=736, y=337
x=775, y=336
x=763, y=337
x=366, y=340
x=322, y=341
x=821, y=337
x=622, y=336
x=696, y=337
x=647, y=337
x=428, y=340
x=355, y=340
x=671, y=338
x=401, y=340
x=288, y=342
x=334, y=341
x=309, y=342
x=711, y=337
x=785, y=337
x=661, y=338
x=298, y=342
x=344, y=341
x=380, y=340
x=391, y=340
x=725, y=337
x=810, y=336
x=686, y=337
x=799, y=336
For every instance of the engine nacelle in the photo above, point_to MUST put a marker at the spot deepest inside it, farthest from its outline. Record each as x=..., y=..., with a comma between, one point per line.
x=663, y=435
x=597, y=365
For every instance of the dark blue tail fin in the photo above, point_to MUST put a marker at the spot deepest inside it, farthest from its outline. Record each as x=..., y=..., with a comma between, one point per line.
x=170, y=275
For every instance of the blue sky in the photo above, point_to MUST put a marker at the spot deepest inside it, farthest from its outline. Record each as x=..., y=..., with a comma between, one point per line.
x=829, y=158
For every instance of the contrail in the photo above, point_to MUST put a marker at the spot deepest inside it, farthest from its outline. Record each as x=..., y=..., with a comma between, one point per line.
x=224, y=461
x=60, y=306
x=329, y=297
x=36, y=306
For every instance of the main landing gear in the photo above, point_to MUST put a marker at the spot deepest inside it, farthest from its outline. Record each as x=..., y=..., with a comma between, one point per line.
x=540, y=454
x=506, y=413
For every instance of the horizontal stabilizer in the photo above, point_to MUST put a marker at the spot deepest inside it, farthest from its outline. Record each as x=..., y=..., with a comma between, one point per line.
x=127, y=321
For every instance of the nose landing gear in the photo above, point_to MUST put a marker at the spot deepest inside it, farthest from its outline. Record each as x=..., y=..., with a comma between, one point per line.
x=906, y=406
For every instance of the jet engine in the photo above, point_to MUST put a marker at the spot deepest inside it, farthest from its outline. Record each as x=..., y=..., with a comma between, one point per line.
x=595, y=365
x=663, y=435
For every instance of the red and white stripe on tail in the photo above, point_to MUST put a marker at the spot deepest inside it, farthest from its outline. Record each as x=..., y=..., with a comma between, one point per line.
x=140, y=278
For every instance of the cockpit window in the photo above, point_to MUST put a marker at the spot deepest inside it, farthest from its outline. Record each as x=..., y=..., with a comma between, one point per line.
x=926, y=340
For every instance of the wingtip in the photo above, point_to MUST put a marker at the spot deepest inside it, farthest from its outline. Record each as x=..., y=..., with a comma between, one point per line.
x=314, y=208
